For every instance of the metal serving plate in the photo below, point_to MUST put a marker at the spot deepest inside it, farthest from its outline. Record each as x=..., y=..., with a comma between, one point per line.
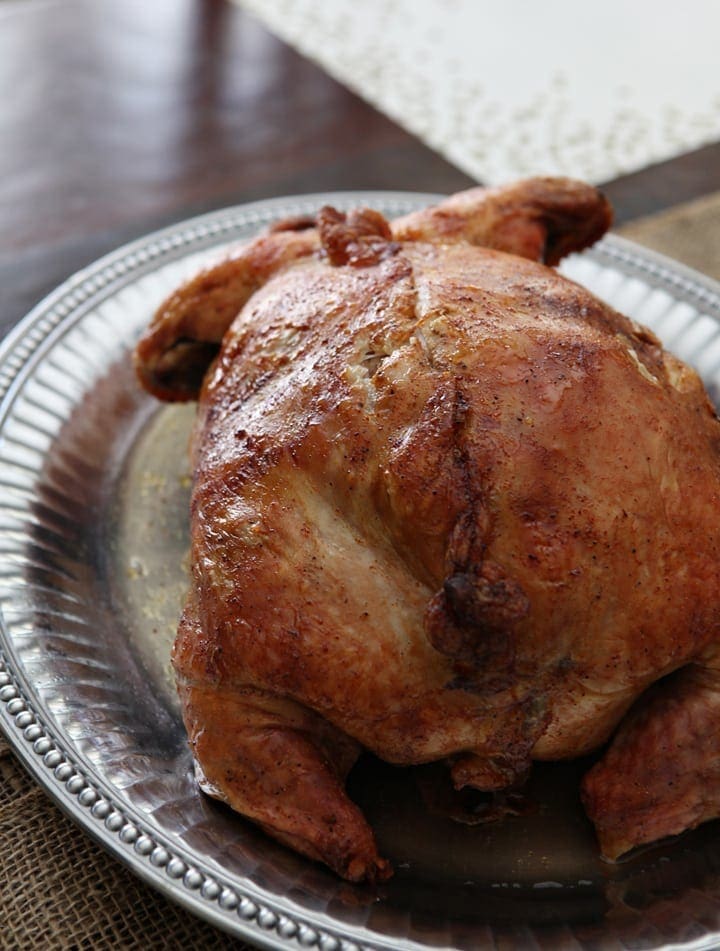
x=93, y=538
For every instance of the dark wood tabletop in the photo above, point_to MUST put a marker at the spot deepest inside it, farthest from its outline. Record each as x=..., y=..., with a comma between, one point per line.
x=119, y=116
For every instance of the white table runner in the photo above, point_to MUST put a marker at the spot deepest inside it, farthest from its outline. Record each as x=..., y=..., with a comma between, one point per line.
x=515, y=87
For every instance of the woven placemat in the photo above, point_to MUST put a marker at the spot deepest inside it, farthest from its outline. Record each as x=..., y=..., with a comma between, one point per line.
x=58, y=889
x=689, y=232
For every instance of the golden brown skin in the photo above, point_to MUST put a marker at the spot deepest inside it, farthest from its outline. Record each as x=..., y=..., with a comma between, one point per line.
x=447, y=505
x=677, y=785
x=174, y=353
x=542, y=219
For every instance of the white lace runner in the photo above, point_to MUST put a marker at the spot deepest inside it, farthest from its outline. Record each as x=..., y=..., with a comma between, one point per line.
x=516, y=87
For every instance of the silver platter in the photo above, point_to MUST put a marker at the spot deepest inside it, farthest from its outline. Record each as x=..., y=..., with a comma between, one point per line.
x=93, y=540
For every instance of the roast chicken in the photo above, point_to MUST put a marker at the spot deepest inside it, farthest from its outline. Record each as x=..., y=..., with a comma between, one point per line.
x=447, y=506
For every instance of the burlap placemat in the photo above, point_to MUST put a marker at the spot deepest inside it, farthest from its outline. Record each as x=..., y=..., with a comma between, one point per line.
x=689, y=233
x=60, y=890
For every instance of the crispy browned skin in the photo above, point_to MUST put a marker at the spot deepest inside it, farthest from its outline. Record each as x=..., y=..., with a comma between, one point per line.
x=447, y=505
x=177, y=348
x=543, y=219
x=661, y=776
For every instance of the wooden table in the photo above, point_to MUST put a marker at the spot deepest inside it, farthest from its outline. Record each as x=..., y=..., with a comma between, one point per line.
x=120, y=116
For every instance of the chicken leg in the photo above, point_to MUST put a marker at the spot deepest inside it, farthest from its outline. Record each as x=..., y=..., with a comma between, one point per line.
x=276, y=762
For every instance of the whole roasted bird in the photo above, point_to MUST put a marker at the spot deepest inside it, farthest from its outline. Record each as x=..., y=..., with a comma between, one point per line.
x=447, y=506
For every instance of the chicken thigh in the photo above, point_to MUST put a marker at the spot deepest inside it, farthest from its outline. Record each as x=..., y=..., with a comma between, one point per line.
x=447, y=505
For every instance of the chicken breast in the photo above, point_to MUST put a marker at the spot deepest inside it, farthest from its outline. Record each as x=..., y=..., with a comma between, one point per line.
x=449, y=506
